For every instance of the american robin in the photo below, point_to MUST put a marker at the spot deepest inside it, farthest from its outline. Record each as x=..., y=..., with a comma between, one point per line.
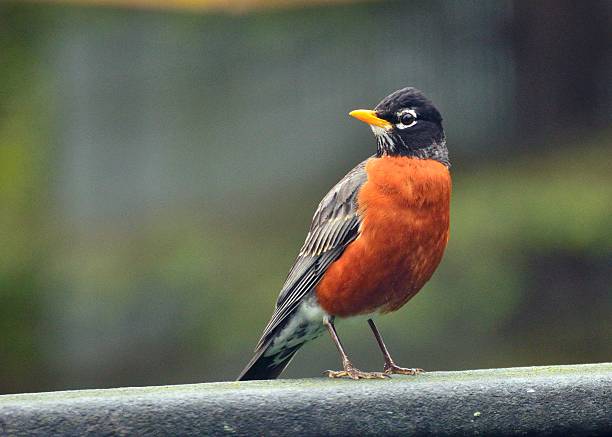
x=375, y=239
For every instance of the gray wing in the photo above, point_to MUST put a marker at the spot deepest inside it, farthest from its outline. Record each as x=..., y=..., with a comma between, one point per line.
x=335, y=224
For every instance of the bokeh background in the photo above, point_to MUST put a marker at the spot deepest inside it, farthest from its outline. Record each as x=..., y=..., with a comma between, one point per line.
x=160, y=162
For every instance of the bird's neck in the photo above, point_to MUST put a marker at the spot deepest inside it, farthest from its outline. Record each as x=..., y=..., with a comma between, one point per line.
x=394, y=146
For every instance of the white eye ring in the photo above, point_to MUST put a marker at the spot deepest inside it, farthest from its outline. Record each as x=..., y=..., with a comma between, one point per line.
x=401, y=125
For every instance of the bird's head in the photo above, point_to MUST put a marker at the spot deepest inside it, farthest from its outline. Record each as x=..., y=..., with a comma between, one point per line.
x=406, y=123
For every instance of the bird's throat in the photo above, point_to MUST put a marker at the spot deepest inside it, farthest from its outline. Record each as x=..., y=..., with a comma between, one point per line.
x=390, y=144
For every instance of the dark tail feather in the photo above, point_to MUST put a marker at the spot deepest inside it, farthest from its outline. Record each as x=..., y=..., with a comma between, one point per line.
x=262, y=367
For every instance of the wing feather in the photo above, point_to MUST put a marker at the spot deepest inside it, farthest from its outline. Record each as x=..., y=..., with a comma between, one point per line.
x=334, y=226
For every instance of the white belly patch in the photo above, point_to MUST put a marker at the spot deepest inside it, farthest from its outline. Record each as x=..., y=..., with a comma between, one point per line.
x=305, y=324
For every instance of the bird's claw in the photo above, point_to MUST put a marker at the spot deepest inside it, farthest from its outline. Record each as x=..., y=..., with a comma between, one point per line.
x=353, y=373
x=393, y=369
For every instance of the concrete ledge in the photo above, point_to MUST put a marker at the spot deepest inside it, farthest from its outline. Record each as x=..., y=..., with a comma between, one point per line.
x=571, y=400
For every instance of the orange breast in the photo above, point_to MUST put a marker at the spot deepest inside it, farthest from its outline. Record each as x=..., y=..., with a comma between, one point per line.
x=405, y=210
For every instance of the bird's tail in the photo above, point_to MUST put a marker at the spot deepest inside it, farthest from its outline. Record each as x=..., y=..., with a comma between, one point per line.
x=266, y=365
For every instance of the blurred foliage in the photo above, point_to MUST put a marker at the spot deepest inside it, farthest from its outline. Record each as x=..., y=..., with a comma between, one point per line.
x=199, y=5
x=23, y=185
x=177, y=287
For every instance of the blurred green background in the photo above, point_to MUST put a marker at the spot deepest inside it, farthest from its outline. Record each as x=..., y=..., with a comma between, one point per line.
x=159, y=169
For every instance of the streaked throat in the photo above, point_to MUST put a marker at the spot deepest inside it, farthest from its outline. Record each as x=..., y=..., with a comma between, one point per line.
x=385, y=142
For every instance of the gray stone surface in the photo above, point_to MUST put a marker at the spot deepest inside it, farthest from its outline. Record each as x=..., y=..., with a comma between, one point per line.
x=556, y=400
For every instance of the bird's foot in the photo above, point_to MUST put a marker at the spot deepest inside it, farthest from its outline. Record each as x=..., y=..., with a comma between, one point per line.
x=393, y=369
x=353, y=373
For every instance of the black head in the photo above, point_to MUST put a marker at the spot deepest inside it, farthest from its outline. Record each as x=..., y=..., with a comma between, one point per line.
x=406, y=123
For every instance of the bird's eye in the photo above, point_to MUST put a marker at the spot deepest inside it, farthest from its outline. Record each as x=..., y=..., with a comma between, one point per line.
x=406, y=119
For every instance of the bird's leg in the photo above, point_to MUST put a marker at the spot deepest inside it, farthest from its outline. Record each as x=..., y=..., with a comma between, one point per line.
x=349, y=369
x=390, y=366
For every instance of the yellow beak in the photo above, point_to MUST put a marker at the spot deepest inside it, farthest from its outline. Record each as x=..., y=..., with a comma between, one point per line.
x=370, y=117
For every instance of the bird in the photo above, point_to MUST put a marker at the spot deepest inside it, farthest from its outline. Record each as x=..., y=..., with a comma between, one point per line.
x=375, y=239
